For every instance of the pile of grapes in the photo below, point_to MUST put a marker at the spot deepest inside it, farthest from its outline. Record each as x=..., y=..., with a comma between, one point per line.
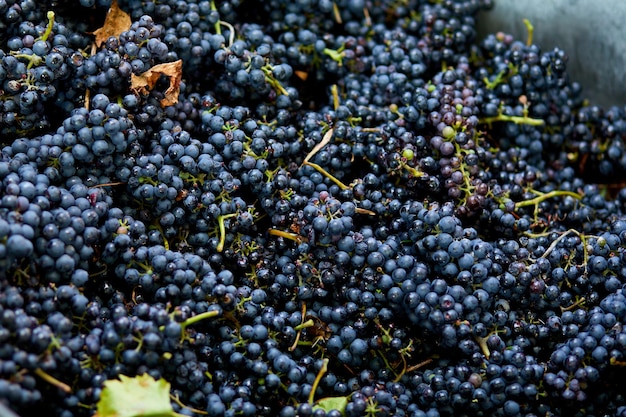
x=304, y=208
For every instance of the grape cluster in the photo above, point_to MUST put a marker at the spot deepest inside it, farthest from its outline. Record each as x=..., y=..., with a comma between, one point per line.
x=351, y=208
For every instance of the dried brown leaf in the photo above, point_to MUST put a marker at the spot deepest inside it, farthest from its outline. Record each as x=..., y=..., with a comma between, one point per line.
x=145, y=82
x=303, y=75
x=115, y=22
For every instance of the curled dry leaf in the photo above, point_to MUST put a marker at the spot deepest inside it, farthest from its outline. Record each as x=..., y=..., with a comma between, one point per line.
x=115, y=22
x=146, y=81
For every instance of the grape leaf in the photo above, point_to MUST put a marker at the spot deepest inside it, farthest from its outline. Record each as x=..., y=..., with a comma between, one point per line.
x=139, y=396
x=115, y=22
x=332, y=403
x=146, y=81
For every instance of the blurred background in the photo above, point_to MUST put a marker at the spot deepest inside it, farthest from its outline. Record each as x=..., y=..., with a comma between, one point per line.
x=592, y=33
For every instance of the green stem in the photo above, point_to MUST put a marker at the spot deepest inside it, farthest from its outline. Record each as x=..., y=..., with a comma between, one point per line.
x=318, y=378
x=180, y=403
x=335, y=54
x=615, y=362
x=531, y=29
x=287, y=235
x=52, y=380
x=327, y=174
x=337, y=13
x=166, y=243
x=33, y=60
x=556, y=241
x=386, y=362
x=46, y=34
x=220, y=221
x=109, y=184
x=518, y=120
x=269, y=78
x=414, y=172
x=231, y=32
x=418, y=366
x=305, y=325
x=218, y=28
x=578, y=303
x=335, y=94
x=482, y=343
x=542, y=197
x=199, y=317
x=497, y=80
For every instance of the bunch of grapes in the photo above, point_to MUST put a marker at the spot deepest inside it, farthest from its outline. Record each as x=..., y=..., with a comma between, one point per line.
x=333, y=208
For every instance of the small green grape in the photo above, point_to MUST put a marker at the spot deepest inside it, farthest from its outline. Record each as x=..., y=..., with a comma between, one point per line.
x=448, y=133
x=408, y=154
